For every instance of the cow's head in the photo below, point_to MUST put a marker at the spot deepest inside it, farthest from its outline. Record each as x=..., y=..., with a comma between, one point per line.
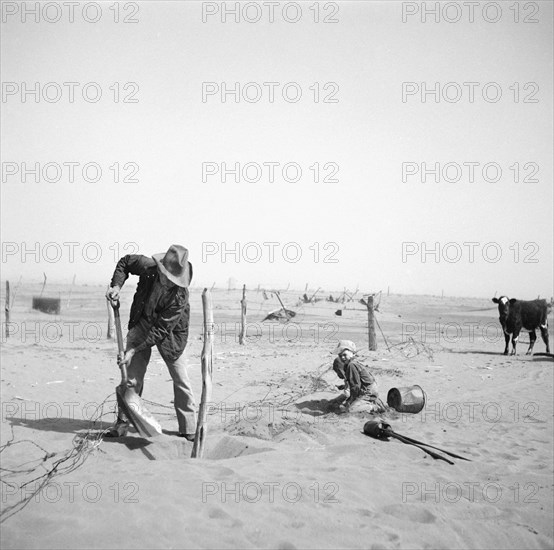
x=504, y=305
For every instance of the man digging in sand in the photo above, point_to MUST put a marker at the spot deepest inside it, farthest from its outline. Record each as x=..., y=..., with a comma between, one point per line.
x=362, y=387
x=159, y=317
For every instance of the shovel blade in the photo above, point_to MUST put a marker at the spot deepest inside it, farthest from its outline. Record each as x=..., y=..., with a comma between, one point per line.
x=134, y=409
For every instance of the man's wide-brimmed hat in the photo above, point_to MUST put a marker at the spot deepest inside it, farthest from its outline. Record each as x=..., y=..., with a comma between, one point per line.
x=345, y=344
x=174, y=265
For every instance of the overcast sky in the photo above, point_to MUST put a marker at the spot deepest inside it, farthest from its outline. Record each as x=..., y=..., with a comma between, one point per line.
x=361, y=117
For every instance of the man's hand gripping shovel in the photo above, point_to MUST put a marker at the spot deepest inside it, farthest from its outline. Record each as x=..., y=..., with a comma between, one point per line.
x=128, y=399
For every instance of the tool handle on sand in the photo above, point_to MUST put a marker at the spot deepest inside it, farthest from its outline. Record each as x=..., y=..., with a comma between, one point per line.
x=436, y=456
x=410, y=440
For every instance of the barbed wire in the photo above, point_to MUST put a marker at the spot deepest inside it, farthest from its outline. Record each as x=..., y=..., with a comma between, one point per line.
x=83, y=444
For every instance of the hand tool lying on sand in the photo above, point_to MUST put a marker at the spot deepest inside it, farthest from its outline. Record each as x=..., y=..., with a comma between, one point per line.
x=128, y=399
x=382, y=430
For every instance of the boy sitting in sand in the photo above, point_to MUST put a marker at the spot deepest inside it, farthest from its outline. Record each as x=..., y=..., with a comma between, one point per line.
x=363, y=394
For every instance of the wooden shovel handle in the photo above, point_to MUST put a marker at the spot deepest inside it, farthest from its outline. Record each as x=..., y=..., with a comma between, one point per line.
x=118, y=331
x=119, y=335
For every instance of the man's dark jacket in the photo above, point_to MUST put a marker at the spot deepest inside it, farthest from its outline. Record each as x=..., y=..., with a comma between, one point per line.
x=169, y=326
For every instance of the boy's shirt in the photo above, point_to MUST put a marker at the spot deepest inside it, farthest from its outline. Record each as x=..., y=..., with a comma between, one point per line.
x=359, y=379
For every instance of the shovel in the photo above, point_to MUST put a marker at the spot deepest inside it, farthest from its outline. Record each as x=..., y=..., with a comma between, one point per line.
x=382, y=430
x=127, y=398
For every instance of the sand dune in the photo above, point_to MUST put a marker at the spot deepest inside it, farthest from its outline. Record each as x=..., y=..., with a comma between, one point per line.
x=282, y=469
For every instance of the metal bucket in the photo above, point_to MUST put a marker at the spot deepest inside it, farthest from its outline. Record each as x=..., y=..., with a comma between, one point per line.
x=406, y=400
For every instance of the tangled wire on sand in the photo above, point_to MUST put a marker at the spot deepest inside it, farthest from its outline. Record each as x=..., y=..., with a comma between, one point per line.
x=284, y=391
x=51, y=464
x=411, y=348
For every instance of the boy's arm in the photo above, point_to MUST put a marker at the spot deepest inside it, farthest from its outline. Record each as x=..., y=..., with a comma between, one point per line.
x=354, y=381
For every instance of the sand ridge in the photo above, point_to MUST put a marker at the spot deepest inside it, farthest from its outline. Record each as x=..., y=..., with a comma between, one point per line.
x=282, y=468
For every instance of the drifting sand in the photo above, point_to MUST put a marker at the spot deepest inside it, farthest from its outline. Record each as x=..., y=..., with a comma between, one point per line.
x=286, y=471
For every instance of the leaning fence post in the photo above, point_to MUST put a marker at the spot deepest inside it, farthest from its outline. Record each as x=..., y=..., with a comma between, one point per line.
x=242, y=315
x=70, y=291
x=7, y=309
x=43, y=285
x=372, y=341
x=207, y=367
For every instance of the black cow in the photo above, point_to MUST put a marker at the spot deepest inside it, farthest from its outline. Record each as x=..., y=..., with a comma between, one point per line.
x=520, y=314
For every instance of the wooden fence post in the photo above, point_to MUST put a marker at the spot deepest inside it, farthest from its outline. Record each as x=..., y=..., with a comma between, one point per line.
x=43, y=285
x=242, y=315
x=70, y=292
x=15, y=291
x=277, y=293
x=372, y=341
x=7, y=309
x=207, y=368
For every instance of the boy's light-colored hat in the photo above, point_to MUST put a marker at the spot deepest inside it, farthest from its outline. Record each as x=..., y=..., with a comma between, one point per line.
x=345, y=344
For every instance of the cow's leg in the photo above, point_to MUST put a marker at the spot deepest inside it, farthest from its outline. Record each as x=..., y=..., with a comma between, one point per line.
x=544, y=334
x=515, y=336
x=532, y=340
x=507, y=340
